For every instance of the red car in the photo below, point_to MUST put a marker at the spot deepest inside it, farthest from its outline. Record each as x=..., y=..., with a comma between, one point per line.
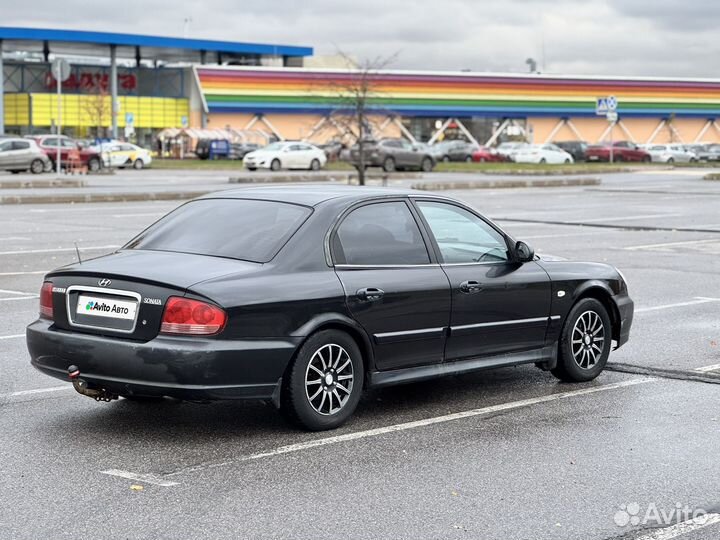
x=49, y=144
x=621, y=150
x=483, y=154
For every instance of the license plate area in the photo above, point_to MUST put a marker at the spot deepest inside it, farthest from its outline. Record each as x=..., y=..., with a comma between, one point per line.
x=104, y=309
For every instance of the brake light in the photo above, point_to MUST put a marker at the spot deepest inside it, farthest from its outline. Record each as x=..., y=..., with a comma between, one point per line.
x=185, y=316
x=46, y=300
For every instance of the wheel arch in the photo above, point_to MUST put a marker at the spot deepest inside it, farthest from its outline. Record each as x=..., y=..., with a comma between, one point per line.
x=602, y=293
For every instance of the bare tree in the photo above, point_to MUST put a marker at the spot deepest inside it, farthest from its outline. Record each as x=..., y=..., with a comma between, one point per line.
x=97, y=107
x=354, y=98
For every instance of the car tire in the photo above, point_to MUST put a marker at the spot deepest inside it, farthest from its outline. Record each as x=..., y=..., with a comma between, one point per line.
x=426, y=165
x=646, y=159
x=389, y=165
x=311, y=386
x=93, y=165
x=585, y=342
x=275, y=165
x=252, y=168
x=482, y=160
x=446, y=159
x=670, y=161
x=468, y=159
x=542, y=161
x=567, y=161
x=138, y=164
x=315, y=165
x=37, y=166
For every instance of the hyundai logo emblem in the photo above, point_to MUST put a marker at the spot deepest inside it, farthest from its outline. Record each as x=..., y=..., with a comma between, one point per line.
x=105, y=282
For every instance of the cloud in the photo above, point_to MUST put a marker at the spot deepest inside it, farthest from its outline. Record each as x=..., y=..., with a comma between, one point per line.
x=594, y=37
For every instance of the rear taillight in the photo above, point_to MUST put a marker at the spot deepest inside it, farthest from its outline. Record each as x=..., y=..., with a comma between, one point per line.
x=191, y=317
x=46, y=300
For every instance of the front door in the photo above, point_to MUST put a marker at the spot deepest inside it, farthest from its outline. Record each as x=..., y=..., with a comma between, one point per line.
x=392, y=288
x=7, y=155
x=498, y=305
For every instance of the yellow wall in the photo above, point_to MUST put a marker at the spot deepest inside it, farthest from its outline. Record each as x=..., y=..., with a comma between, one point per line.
x=90, y=111
x=17, y=110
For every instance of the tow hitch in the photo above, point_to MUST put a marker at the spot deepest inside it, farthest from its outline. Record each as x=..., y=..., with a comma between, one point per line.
x=81, y=387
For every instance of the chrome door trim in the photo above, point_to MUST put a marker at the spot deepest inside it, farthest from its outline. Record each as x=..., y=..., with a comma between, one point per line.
x=501, y=323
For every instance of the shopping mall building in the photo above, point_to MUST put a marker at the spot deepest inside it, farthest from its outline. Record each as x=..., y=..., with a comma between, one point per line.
x=124, y=84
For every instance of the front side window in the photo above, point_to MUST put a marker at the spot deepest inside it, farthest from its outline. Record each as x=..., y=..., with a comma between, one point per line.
x=462, y=236
x=6, y=146
x=245, y=229
x=380, y=234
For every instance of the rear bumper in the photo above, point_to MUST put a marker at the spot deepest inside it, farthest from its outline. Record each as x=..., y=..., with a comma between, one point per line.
x=626, y=309
x=184, y=368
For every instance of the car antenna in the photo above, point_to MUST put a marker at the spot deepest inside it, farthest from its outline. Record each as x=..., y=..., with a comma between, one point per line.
x=77, y=250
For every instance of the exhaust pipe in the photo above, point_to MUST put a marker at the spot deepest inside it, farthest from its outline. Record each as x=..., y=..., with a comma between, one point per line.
x=81, y=387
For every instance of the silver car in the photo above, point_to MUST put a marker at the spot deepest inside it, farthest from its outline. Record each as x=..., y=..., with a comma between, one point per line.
x=18, y=155
x=671, y=153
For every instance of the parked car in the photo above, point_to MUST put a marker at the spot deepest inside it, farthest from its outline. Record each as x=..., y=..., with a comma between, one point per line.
x=392, y=155
x=49, y=144
x=123, y=154
x=509, y=149
x=332, y=149
x=240, y=150
x=483, y=154
x=670, y=153
x=461, y=151
x=306, y=296
x=575, y=148
x=212, y=149
x=542, y=153
x=439, y=150
x=18, y=155
x=286, y=155
x=710, y=153
x=621, y=151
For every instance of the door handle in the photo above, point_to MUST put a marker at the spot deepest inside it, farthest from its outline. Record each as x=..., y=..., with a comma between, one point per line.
x=470, y=286
x=370, y=294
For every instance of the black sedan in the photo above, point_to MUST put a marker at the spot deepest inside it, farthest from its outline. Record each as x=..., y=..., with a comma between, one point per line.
x=306, y=295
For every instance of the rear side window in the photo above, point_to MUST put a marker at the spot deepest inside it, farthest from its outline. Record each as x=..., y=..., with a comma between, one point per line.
x=21, y=145
x=234, y=228
x=380, y=234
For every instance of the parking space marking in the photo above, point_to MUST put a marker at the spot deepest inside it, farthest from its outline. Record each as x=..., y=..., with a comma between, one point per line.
x=19, y=293
x=142, y=478
x=418, y=424
x=698, y=300
x=28, y=273
x=30, y=297
x=56, y=250
x=680, y=529
x=627, y=218
x=34, y=391
x=671, y=244
x=146, y=214
x=706, y=369
x=12, y=336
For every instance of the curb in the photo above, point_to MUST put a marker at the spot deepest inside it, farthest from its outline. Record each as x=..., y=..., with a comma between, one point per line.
x=102, y=197
x=511, y=183
x=327, y=177
x=39, y=184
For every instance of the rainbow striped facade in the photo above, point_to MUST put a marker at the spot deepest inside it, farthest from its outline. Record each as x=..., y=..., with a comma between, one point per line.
x=448, y=94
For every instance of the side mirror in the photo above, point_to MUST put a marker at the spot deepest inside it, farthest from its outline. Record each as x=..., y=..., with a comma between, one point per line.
x=523, y=252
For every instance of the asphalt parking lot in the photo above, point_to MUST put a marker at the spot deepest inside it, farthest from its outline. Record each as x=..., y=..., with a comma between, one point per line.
x=511, y=453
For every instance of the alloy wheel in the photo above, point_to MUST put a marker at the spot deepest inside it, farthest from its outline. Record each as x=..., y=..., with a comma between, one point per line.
x=588, y=339
x=329, y=379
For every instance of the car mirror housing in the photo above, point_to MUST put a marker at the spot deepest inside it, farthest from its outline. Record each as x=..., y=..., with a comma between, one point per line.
x=523, y=252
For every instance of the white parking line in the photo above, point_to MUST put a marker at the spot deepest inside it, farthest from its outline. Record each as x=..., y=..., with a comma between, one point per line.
x=627, y=218
x=143, y=478
x=19, y=293
x=12, y=336
x=28, y=273
x=672, y=244
x=36, y=391
x=679, y=529
x=419, y=423
x=706, y=369
x=30, y=297
x=56, y=250
x=698, y=300
x=145, y=214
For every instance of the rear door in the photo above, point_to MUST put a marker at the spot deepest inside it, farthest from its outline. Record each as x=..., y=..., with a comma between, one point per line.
x=498, y=305
x=393, y=288
x=23, y=153
x=7, y=154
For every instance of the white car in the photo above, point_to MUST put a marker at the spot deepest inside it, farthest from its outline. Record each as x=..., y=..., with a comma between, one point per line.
x=671, y=153
x=123, y=154
x=509, y=149
x=286, y=155
x=542, y=153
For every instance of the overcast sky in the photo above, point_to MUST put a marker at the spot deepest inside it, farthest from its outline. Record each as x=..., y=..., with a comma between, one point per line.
x=606, y=37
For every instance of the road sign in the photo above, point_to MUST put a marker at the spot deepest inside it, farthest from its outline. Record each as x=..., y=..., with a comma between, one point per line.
x=611, y=116
x=604, y=105
x=60, y=69
x=184, y=121
x=129, y=119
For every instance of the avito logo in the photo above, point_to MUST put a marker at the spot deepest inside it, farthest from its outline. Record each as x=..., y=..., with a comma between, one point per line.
x=97, y=306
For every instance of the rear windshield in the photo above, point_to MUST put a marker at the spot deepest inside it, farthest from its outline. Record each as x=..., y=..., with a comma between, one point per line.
x=243, y=229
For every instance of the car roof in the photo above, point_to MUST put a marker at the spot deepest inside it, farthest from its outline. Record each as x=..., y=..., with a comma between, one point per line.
x=312, y=195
